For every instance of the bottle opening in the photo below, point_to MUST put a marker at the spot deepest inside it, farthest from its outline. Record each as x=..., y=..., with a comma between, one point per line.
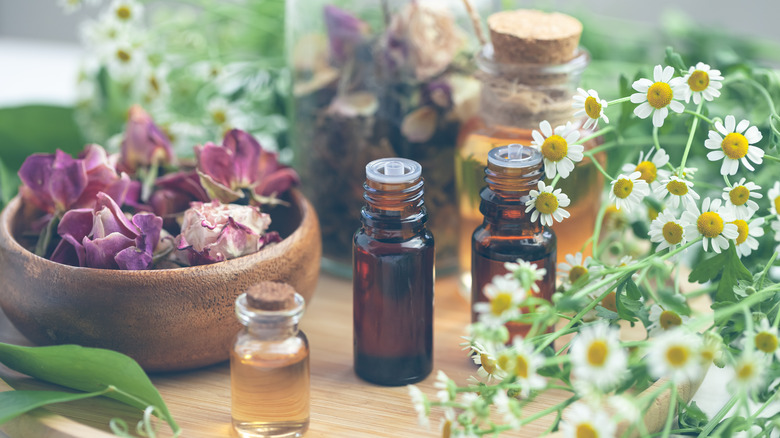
x=393, y=170
x=514, y=155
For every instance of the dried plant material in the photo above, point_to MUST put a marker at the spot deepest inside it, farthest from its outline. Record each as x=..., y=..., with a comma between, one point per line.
x=360, y=104
x=419, y=125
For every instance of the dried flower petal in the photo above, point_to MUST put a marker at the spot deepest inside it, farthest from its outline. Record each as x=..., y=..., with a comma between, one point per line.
x=144, y=144
x=420, y=125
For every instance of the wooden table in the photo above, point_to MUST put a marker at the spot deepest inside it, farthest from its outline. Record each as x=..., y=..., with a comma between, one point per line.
x=342, y=404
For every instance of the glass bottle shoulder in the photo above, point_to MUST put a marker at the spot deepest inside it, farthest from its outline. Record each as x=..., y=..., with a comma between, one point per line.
x=272, y=352
x=370, y=241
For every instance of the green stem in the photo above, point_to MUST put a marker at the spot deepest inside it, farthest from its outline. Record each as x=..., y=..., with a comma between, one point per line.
x=597, y=228
x=705, y=432
x=690, y=138
x=698, y=114
x=656, y=143
x=598, y=165
x=757, y=297
x=45, y=237
x=559, y=407
x=670, y=415
x=621, y=100
x=598, y=133
x=771, y=158
x=555, y=180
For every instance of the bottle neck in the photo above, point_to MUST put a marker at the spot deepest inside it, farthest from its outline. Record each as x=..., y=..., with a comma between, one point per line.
x=523, y=95
x=393, y=210
x=272, y=332
x=270, y=325
x=508, y=189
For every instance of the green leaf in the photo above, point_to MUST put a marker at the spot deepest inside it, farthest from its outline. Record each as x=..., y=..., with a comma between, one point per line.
x=9, y=183
x=627, y=307
x=675, y=60
x=89, y=370
x=728, y=267
x=15, y=403
x=692, y=416
x=673, y=301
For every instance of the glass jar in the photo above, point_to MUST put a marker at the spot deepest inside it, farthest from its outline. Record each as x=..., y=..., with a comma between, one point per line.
x=269, y=364
x=375, y=79
x=515, y=99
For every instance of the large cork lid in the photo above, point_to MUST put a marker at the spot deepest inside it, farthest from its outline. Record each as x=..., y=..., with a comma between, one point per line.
x=536, y=37
x=269, y=295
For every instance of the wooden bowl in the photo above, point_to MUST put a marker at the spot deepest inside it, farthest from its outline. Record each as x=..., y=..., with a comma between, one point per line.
x=170, y=319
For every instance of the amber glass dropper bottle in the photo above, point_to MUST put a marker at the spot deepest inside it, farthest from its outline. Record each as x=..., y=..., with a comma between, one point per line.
x=507, y=233
x=393, y=275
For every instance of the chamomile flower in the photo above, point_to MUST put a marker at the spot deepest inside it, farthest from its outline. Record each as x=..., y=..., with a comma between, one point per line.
x=580, y=420
x=597, y=357
x=658, y=96
x=446, y=387
x=680, y=192
x=738, y=196
x=702, y=82
x=507, y=408
x=125, y=11
x=663, y=320
x=575, y=268
x=447, y=422
x=675, y=355
x=776, y=228
x=667, y=230
x=420, y=403
x=713, y=223
x=733, y=143
x=749, y=372
x=650, y=167
x=591, y=106
x=547, y=204
x=628, y=191
x=712, y=349
x=748, y=231
x=558, y=148
x=522, y=362
x=774, y=198
x=504, y=295
x=766, y=339
x=527, y=273
x=125, y=59
x=488, y=364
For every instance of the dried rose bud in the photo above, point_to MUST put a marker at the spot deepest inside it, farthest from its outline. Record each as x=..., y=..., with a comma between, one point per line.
x=241, y=163
x=214, y=232
x=144, y=144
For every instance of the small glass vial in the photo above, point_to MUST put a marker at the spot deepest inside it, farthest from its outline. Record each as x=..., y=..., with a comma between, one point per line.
x=393, y=275
x=507, y=233
x=269, y=364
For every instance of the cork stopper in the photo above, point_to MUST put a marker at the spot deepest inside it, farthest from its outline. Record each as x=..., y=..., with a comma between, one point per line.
x=536, y=37
x=269, y=295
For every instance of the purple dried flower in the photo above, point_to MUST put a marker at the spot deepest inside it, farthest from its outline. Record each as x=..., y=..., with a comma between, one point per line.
x=241, y=163
x=214, y=232
x=345, y=32
x=103, y=237
x=144, y=144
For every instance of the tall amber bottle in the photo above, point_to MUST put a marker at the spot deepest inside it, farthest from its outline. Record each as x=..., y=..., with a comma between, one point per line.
x=393, y=275
x=507, y=233
x=528, y=74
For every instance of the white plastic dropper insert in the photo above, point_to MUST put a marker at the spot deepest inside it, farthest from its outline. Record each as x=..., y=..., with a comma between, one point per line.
x=514, y=155
x=393, y=170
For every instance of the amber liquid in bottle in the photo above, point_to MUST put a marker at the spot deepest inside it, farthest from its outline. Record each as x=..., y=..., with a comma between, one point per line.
x=583, y=186
x=393, y=276
x=270, y=393
x=506, y=233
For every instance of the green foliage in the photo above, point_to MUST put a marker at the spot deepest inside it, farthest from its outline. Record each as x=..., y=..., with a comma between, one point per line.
x=9, y=183
x=93, y=370
x=36, y=128
x=15, y=403
x=692, y=416
x=726, y=268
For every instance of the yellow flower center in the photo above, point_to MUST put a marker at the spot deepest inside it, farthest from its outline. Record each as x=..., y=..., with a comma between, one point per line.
x=739, y=195
x=652, y=213
x=672, y=232
x=623, y=187
x=487, y=363
x=592, y=107
x=659, y=95
x=707, y=354
x=777, y=204
x=699, y=80
x=219, y=117
x=766, y=342
x=669, y=319
x=123, y=12
x=735, y=146
x=521, y=367
x=546, y=203
x=555, y=148
x=500, y=303
x=648, y=170
x=742, y=228
x=586, y=430
x=597, y=353
x=576, y=273
x=677, y=187
x=446, y=430
x=745, y=371
x=123, y=55
x=709, y=224
x=609, y=302
x=677, y=355
x=504, y=362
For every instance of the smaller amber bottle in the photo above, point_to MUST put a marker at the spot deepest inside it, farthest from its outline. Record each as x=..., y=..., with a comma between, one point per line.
x=269, y=364
x=393, y=275
x=507, y=233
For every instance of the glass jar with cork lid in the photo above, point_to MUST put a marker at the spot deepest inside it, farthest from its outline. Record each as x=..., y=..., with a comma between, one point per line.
x=529, y=73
